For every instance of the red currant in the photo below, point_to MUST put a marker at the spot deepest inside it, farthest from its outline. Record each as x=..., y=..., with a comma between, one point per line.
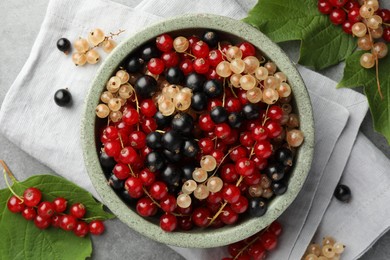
x=263, y=149
x=185, y=223
x=324, y=6
x=146, y=207
x=147, y=177
x=168, y=222
x=338, y=3
x=200, y=49
x=186, y=66
x=222, y=130
x=238, y=153
x=156, y=66
x=246, y=139
x=164, y=42
x=338, y=16
x=214, y=102
x=214, y=197
x=55, y=221
x=233, y=104
x=212, y=74
x=42, y=223
x=112, y=148
x=128, y=155
x=201, y=65
x=240, y=206
x=158, y=190
x=67, y=222
x=254, y=178
x=269, y=241
x=134, y=186
x=148, y=125
x=206, y=145
x=386, y=34
x=257, y=251
x=121, y=171
x=247, y=49
x=193, y=39
x=274, y=129
x=29, y=213
x=45, y=209
x=15, y=205
x=170, y=59
x=137, y=139
x=384, y=14
x=228, y=173
x=206, y=123
x=351, y=4
x=228, y=215
x=78, y=210
x=245, y=167
x=231, y=193
x=130, y=117
x=111, y=133
x=259, y=133
x=347, y=27
x=168, y=203
x=148, y=108
x=215, y=57
x=96, y=227
x=81, y=229
x=275, y=228
x=218, y=155
x=201, y=217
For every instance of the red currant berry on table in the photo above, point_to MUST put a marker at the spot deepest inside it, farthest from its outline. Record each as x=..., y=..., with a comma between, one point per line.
x=81, y=229
x=45, y=209
x=78, y=210
x=338, y=16
x=96, y=227
x=168, y=222
x=15, y=205
x=29, y=213
x=257, y=251
x=67, y=222
x=32, y=196
x=269, y=241
x=42, y=223
x=275, y=228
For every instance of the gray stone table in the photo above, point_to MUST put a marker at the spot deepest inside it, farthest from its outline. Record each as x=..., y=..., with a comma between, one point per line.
x=21, y=20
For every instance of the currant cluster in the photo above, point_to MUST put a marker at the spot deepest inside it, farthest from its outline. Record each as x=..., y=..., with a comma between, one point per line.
x=365, y=20
x=256, y=246
x=188, y=143
x=46, y=214
x=330, y=249
x=85, y=49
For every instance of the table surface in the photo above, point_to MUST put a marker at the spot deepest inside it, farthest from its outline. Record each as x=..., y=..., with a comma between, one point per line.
x=21, y=20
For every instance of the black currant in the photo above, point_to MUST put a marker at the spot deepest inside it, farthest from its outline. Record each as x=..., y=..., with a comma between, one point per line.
x=63, y=98
x=218, y=114
x=275, y=171
x=284, y=156
x=257, y=207
x=195, y=81
x=106, y=162
x=190, y=148
x=213, y=88
x=278, y=187
x=115, y=183
x=251, y=111
x=161, y=120
x=124, y=194
x=64, y=45
x=154, y=161
x=150, y=51
x=171, y=174
x=133, y=64
x=172, y=141
x=343, y=193
x=174, y=75
x=187, y=169
x=235, y=119
x=153, y=140
x=183, y=123
x=171, y=156
x=146, y=86
x=199, y=101
x=211, y=38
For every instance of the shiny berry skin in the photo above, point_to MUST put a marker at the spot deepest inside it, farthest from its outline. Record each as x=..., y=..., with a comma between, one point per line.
x=199, y=101
x=235, y=248
x=213, y=88
x=146, y=207
x=158, y=190
x=201, y=65
x=168, y=222
x=29, y=213
x=68, y=222
x=168, y=203
x=111, y=133
x=269, y=241
x=259, y=133
x=263, y=149
x=186, y=66
x=233, y=104
x=148, y=108
x=246, y=139
x=206, y=123
x=275, y=228
x=112, y=148
x=215, y=57
x=170, y=59
x=214, y=102
x=63, y=98
x=261, y=163
x=228, y=173
x=222, y=130
x=212, y=74
x=130, y=117
x=185, y=223
x=231, y=193
x=195, y=81
x=275, y=113
x=201, y=217
x=238, y=153
x=133, y=64
x=211, y=38
x=206, y=145
x=128, y=155
x=121, y=171
x=247, y=49
x=245, y=167
x=147, y=177
x=81, y=229
x=55, y=221
x=32, y=196
x=343, y=193
x=384, y=14
x=174, y=75
x=386, y=34
x=218, y=114
x=164, y=42
x=347, y=27
x=273, y=128
x=78, y=210
x=134, y=186
x=145, y=86
x=148, y=125
x=353, y=15
x=228, y=215
x=149, y=51
x=324, y=6
x=137, y=139
x=60, y=205
x=257, y=207
x=42, y=223
x=156, y=66
x=257, y=251
x=45, y=209
x=96, y=227
x=218, y=155
x=338, y=3
x=154, y=161
x=251, y=111
x=214, y=197
x=200, y=49
x=64, y=45
x=240, y=206
x=351, y=4
x=337, y=16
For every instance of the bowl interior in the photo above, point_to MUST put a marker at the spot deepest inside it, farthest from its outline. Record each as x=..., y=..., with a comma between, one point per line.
x=235, y=32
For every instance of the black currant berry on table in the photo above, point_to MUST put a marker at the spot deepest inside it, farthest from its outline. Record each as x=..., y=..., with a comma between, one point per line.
x=64, y=45
x=63, y=98
x=343, y=193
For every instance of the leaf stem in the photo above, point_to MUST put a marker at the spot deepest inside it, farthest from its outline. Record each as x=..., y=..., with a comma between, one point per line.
x=8, y=171
x=377, y=76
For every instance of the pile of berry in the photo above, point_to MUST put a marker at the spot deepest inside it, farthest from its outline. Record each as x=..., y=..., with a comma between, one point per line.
x=365, y=20
x=256, y=246
x=46, y=214
x=330, y=250
x=200, y=131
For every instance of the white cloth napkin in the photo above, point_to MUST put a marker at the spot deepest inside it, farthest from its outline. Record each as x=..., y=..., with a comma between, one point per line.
x=31, y=120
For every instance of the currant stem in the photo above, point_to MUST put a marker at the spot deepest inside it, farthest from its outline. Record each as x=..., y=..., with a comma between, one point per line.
x=218, y=213
x=377, y=76
x=8, y=171
x=93, y=218
x=265, y=116
x=239, y=180
x=131, y=169
x=249, y=244
x=9, y=187
x=226, y=155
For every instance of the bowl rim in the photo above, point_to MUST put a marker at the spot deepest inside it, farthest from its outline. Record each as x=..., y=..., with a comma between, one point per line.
x=199, y=238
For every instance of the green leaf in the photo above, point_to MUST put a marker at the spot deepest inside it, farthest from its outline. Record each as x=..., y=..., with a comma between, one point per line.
x=356, y=75
x=322, y=43
x=20, y=239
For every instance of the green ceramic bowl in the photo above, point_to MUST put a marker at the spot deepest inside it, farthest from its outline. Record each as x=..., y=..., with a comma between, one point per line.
x=235, y=31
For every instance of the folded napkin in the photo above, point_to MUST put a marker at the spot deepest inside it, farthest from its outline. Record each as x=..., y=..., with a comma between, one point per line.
x=31, y=120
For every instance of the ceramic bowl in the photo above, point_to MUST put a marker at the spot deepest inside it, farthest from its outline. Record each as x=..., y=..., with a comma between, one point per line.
x=235, y=31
